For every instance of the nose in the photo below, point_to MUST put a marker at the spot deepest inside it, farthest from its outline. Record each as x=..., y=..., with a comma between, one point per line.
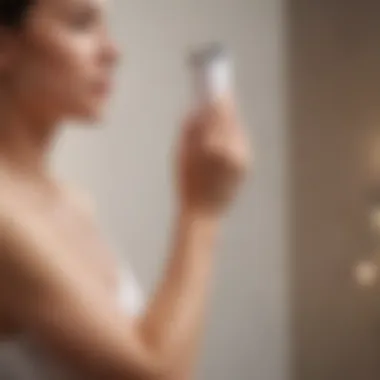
x=110, y=53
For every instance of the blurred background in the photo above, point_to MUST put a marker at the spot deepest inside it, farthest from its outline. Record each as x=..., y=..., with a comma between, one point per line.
x=296, y=294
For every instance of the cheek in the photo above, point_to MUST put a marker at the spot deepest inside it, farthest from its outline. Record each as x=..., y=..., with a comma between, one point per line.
x=60, y=66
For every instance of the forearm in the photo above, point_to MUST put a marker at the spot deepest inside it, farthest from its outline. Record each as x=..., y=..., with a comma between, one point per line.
x=174, y=317
x=186, y=370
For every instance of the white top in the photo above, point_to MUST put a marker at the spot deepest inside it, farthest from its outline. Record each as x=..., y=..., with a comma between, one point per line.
x=22, y=359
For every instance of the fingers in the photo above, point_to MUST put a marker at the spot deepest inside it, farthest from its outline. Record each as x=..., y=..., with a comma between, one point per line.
x=220, y=113
x=215, y=129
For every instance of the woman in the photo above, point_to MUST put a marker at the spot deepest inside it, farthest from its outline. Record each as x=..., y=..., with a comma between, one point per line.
x=61, y=316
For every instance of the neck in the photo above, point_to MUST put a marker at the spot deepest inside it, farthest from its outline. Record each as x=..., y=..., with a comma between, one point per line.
x=25, y=141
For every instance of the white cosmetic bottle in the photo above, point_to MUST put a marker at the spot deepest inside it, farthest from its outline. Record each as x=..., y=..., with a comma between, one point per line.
x=212, y=73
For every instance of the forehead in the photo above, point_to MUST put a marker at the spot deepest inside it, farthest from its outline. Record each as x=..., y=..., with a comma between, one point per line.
x=70, y=4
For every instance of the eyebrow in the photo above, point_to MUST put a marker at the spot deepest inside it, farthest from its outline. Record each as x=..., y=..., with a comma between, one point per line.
x=79, y=5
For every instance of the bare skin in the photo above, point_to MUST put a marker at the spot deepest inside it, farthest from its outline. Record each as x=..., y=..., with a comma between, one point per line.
x=57, y=274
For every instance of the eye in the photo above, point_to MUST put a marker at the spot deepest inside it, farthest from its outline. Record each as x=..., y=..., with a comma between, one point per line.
x=83, y=19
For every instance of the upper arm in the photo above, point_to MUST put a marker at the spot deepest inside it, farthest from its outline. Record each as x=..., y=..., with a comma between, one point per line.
x=48, y=297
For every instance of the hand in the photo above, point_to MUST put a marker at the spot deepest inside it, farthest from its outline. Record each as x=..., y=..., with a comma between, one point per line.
x=213, y=158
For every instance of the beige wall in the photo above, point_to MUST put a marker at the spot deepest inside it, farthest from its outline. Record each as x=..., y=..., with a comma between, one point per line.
x=335, y=119
x=247, y=331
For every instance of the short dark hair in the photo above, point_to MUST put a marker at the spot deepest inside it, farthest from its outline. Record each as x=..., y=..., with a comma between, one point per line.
x=12, y=12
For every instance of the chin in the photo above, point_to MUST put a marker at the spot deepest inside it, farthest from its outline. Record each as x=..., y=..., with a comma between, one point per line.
x=92, y=114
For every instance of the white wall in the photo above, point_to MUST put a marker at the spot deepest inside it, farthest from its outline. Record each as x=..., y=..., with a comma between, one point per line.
x=247, y=330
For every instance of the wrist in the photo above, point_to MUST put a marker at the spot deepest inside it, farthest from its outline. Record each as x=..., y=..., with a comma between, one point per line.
x=199, y=216
x=199, y=222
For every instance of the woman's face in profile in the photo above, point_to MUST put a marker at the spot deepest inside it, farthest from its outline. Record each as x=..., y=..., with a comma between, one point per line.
x=60, y=62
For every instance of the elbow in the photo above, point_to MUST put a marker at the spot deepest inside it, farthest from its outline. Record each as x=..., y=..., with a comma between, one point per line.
x=159, y=365
x=168, y=364
x=149, y=364
x=164, y=367
x=161, y=359
x=153, y=359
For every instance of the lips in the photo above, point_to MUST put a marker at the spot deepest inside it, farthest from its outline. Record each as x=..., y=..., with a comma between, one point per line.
x=102, y=88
